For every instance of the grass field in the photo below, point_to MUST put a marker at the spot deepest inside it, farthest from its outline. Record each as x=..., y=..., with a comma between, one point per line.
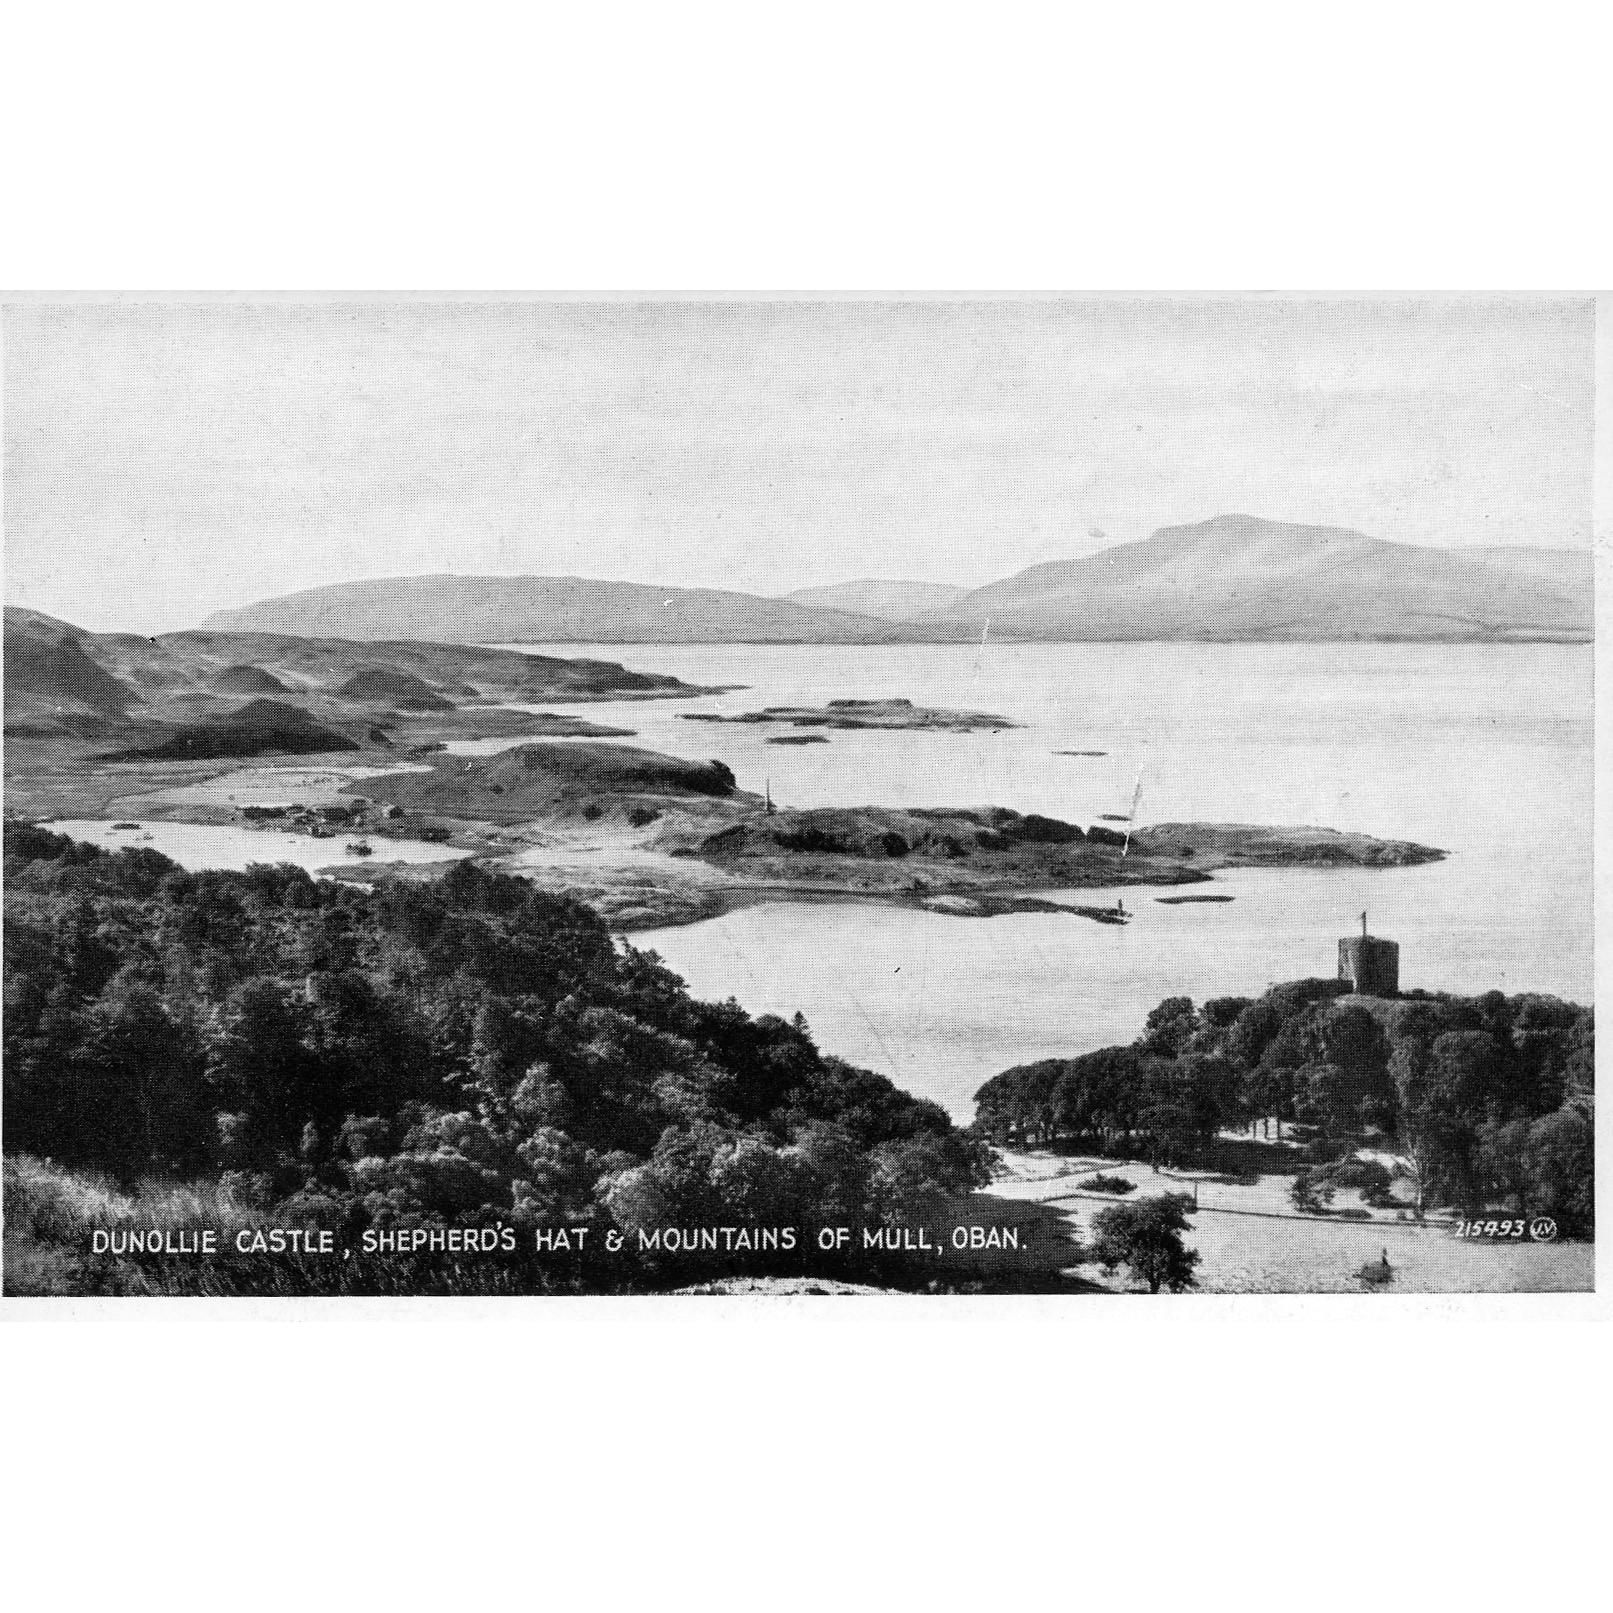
x=1251, y=1241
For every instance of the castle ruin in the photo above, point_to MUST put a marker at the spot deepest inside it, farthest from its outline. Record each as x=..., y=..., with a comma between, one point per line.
x=1370, y=964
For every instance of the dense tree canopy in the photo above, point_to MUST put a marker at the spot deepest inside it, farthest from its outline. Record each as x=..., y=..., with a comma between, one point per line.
x=428, y=1053
x=1490, y=1097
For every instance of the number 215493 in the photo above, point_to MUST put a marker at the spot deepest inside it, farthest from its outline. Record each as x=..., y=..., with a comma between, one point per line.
x=1541, y=1228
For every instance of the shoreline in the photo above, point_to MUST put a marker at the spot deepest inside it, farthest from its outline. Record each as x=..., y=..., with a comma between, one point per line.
x=656, y=841
x=636, y=886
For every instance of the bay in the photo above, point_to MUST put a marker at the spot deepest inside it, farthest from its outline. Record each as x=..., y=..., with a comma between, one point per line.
x=1485, y=751
x=230, y=846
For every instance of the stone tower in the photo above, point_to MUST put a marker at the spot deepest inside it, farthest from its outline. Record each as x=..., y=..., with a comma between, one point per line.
x=1370, y=964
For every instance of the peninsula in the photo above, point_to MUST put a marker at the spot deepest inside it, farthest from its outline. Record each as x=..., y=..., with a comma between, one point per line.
x=652, y=840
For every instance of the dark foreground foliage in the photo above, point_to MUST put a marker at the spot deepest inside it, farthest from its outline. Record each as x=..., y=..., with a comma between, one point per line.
x=465, y=1053
x=1491, y=1098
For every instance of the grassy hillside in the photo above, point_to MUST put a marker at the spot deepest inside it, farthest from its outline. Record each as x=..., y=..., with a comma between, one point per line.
x=246, y=680
x=533, y=610
x=84, y=710
x=55, y=671
x=387, y=686
x=549, y=780
x=52, y=680
x=259, y=728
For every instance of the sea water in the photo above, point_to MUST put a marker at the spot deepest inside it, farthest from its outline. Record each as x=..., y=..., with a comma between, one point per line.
x=1484, y=751
x=231, y=846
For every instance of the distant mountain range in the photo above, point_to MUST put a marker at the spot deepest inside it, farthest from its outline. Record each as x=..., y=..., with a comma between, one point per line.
x=552, y=610
x=1233, y=578
x=1241, y=578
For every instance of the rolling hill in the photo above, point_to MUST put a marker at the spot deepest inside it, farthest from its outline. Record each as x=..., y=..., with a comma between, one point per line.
x=246, y=680
x=516, y=785
x=537, y=610
x=1232, y=578
x=180, y=696
x=52, y=679
x=259, y=728
x=1238, y=577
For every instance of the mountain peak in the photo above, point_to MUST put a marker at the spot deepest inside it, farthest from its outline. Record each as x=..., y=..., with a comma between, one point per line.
x=1239, y=529
x=1243, y=577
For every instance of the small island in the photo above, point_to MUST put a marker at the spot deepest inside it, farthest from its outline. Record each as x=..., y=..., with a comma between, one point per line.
x=888, y=714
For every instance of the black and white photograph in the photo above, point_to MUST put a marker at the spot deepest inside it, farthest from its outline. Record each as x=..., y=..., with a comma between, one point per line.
x=786, y=794
x=803, y=807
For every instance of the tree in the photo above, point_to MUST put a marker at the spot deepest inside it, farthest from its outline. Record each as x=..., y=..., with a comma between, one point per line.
x=1463, y=1071
x=1099, y=1093
x=1268, y=1090
x=1220, y=1013
x=1213, y=1095
x=1324, y=1096
x=1252, y=1033
x=1186, y=1101
x=1339, y=1097
x=1543, y=1037
x=1168, y=1028
x=1446, y=1092
x=260, y=1067
x=1560, y=1158
x=137, y=1086
x=1463, y=1081
x=1354, y=1043
x=1147, y=1238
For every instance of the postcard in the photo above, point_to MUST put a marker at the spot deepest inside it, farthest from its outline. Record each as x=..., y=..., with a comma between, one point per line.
x=547, y=796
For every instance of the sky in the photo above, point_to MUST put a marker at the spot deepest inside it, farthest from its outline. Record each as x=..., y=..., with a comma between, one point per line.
x=164, y=460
